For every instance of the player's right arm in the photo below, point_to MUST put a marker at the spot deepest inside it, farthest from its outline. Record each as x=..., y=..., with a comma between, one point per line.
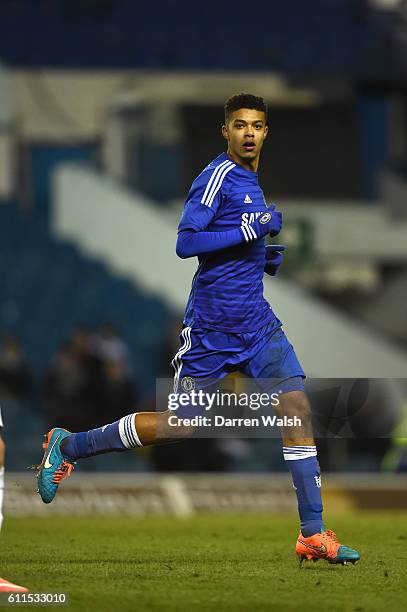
x=200, y=209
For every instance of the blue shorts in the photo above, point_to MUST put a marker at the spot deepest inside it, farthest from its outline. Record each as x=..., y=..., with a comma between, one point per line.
x=266, y=355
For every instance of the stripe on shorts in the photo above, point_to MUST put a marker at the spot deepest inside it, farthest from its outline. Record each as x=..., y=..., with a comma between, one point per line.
x=177, y=361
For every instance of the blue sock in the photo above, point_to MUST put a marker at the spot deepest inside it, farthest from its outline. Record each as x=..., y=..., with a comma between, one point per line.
x=118, y=436
x=306, y=475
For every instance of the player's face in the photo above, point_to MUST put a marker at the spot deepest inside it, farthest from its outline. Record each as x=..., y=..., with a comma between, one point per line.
x=245, y=132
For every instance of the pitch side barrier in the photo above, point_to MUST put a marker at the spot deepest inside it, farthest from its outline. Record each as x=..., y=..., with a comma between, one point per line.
x=186, y=495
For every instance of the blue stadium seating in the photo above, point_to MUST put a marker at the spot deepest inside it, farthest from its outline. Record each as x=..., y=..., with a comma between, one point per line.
x=344, y=36
x=48, y=288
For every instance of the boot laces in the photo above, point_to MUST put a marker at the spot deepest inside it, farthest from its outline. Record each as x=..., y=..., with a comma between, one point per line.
x=63, y=472
x=331, y=535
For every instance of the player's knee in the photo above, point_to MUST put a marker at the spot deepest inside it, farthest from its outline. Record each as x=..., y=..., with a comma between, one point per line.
x=294, y=404
x=175, y=427
x=2, y=451
x=184, y=431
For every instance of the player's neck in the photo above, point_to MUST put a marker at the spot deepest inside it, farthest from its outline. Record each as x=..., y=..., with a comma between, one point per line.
x=250, y=165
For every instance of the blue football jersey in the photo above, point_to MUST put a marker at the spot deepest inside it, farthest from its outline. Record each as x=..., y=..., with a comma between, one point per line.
x=227, y=289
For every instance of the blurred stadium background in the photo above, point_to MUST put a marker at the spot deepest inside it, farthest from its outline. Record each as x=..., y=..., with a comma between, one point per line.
x=107, y=112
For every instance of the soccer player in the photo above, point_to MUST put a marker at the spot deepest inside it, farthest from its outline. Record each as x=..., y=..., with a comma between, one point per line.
x=228, y=326
x=5, y=585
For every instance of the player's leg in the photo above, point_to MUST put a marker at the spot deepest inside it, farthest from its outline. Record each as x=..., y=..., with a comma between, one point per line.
x=5, y=585
x=131, y=431
x=276, y=368
x=300, y=453
x=62, y=448
x=2, y=457
x=2, y=462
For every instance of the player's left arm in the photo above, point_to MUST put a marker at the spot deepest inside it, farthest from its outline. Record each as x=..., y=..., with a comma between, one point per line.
x=191, y=243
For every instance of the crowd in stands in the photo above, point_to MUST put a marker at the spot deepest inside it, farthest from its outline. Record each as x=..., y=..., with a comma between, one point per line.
x=15, y=373
x=87, y=382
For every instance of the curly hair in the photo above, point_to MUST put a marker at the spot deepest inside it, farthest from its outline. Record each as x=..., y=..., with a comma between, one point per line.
x=244, y=100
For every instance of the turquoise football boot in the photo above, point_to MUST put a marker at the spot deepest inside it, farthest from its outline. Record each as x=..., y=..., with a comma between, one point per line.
x=54, y=466
x=346, y=555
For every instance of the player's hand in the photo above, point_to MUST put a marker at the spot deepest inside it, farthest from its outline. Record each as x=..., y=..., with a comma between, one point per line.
x=269, y=222
x=274, y=258
x=276, y=222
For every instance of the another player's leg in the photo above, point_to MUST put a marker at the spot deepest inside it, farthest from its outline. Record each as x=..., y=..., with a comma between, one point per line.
x=2, y=456
x=5, y=585
x=63, y=448
x=300, y=452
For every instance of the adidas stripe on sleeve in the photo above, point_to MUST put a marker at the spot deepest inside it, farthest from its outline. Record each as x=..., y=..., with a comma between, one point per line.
x=204, y=197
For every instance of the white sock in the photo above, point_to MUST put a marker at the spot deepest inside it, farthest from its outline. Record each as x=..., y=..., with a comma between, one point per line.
x=128, y=432
x=1, y=493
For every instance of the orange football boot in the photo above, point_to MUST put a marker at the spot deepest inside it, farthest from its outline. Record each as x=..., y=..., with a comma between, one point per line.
x=326, y=546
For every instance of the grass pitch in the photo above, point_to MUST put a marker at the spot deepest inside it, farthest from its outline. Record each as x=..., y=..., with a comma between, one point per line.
x=214, y=563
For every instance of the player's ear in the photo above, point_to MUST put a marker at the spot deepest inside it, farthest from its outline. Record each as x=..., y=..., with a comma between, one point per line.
x=225, y=132
x=266, y=131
